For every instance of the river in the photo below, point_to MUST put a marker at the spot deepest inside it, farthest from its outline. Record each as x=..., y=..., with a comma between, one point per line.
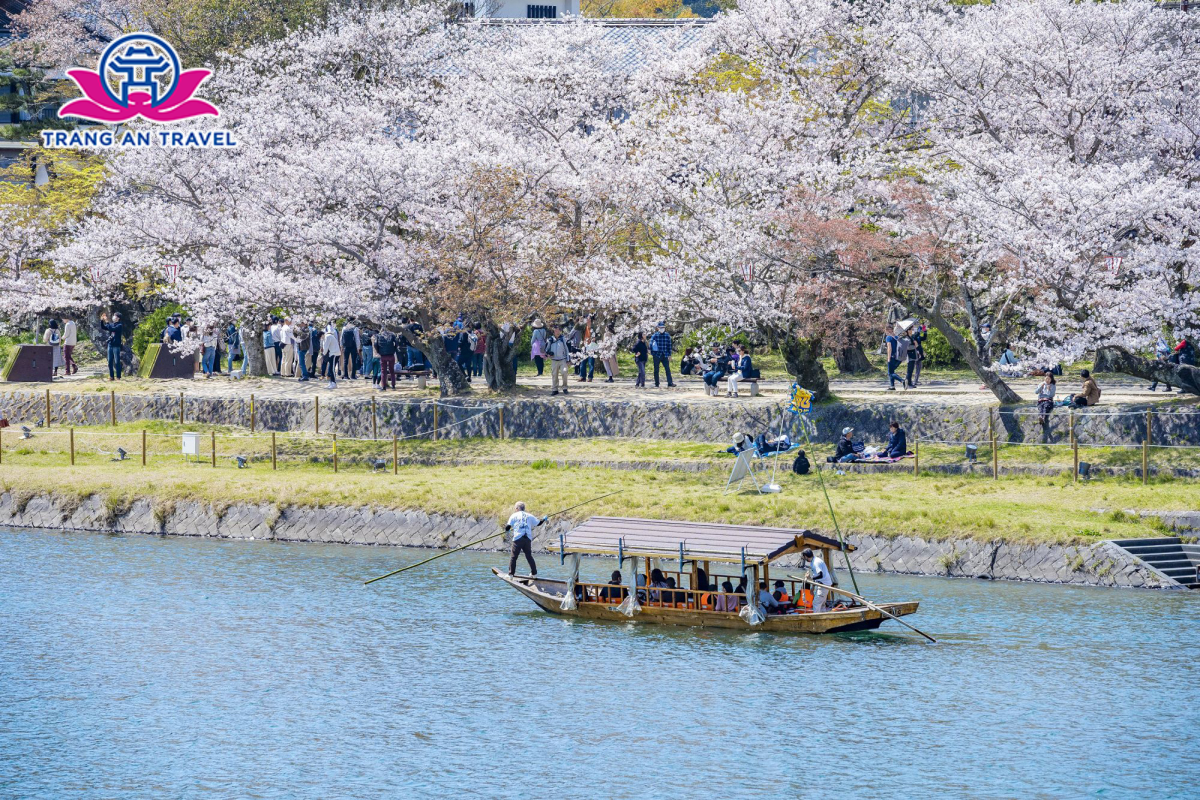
x=145, y=667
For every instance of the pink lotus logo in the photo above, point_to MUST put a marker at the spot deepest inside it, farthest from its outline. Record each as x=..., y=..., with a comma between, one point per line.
x=138, y=76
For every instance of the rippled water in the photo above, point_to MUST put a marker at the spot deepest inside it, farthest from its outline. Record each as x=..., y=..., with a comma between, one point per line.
x=143, y=667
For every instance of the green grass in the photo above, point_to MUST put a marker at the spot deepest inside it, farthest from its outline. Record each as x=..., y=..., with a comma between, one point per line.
x=1023, y=509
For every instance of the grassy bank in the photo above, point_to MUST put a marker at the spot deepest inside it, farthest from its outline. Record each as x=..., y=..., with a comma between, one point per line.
x=1022, y=509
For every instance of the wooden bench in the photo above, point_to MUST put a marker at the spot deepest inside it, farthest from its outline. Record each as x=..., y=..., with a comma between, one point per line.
x=716, y=391
x=422, y=376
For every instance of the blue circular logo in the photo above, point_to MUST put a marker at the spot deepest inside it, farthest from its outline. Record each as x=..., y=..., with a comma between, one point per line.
x=139, y=62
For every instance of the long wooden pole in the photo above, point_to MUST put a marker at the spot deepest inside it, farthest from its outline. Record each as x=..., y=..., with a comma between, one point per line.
x=995, y=458
x=335, y=452
x=72, y=445
x=501, y=422
x=435, y=421
x=47, y=408
x=181, y=408
x=1074, y=447
x=866, y=602
x=916, y=456
x=374, y=426
x=501, y=533
x=214, y=449
x=273, y=463
x=112, y=407
x=316, y=415
x=395, y=460
x=143, y=447
x=252, y=412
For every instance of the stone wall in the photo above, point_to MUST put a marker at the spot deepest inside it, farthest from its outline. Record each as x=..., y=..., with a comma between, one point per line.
x=1101, y=564
x=542, y=418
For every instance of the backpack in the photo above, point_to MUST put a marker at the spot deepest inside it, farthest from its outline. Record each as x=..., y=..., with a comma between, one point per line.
x=800, y=465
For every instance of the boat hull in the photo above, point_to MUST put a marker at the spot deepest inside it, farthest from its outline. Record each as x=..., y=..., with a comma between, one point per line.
x=547, y=594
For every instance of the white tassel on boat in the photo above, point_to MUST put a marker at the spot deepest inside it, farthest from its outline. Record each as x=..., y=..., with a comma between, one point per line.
x=751, y=612
x=569, y=603
x=629, y=606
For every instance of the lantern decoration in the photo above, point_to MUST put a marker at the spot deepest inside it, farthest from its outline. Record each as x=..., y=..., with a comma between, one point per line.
x=1113, y=264
x=747, y=270
x=96, y=273
x=172, y=271
x=672, y=273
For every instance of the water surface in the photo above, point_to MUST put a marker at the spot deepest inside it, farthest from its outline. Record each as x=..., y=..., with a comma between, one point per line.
x=138, y=667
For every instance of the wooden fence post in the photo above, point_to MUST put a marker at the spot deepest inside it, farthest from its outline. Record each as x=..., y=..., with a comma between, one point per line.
x=435, y=420
x=112, y=407
x=501, y=422
x=995, y=457
x=316, y=415
x=335, y=452
x=395, y=460
x=214, y=449
x=181, y=408
x=143, y=447
x=72, y=445
x=273, y=462
x=1146, y=451
x=374, y=424
x=916, y=456
x=252, y=413
x=47, y=409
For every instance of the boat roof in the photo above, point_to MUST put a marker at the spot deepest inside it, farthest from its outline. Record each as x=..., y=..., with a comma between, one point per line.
x=697, y=541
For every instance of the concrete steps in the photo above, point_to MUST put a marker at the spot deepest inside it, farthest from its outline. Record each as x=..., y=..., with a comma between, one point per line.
x=1168, y=555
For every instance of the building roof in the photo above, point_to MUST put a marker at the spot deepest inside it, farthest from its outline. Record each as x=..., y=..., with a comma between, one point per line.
x=697, y=541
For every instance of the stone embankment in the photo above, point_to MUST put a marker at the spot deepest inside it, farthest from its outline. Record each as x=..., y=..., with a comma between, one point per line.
x=1102, y=564
x=707, y=419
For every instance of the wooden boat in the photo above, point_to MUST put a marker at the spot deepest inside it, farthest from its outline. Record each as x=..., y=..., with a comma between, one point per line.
x=692, y=547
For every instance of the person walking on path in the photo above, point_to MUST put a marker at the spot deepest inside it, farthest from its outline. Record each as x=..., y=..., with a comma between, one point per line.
x=522, y=523
x=1162, y=352
x=331, y=349
x=70, y=337
x=560, y=359
x=116, y=336
x=480, y=347
x=640, y=357
x=53, y=337
x=660, y=347
x=916, y=354
x=303, y=344
x=892, y=345
x=464, y=351
x=233, y=345
x=537, y=346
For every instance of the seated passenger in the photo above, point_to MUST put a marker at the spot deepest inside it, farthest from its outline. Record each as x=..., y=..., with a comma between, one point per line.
x=617, y=594
x=780, y=594
x=726, y=601
x=769, y=603
x=657, y=581
x=740, y=594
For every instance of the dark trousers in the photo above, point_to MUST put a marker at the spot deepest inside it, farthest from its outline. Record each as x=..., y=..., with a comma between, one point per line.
x=387, y=365
x=70, y=362
x=892, y=364
x=278, y=358
x=666, y=364
x=641, y=378
x=587, y=368
x=114, y=361
x=540, y=362
x=312, y=365
x=464, y=363
x=329, y=367
x=522, y=545
x=349, y=361
x=476, y=364
x=913, y=366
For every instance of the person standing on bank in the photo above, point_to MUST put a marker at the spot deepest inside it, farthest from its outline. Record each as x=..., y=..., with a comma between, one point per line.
x=53, y=337
x=660, y=347
x=116, y=337
x=70, y=338
x=640, y=356
x=560, y=357
x=522, y=523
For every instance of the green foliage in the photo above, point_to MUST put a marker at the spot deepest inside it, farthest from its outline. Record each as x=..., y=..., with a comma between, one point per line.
x=149, y=331
x=938, y=352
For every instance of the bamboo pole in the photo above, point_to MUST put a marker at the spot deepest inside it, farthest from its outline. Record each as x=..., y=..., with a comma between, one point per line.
x=47, y=409
x=214, y=449
x=1146, y=451
x=1075, y=451
x=316, y=415
x=374, y=425
x=273, y=462
x=143, y=447
x=181, y=408
x=395, y=460
x=335, y=452
x=866, y=602
x=72, y=445
x=1, y=445
x=252, y=412
x=112, y=407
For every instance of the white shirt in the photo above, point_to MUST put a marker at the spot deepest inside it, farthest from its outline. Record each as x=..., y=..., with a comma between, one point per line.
x=820, y=572
x=522, y=524
x=288, y=337
x=70, y=336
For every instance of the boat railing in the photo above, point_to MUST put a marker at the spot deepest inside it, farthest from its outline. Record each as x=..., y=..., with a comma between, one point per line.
x=680, y=598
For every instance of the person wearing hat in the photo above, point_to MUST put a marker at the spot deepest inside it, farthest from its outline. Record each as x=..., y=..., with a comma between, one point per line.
x=845, y=447
x=821, y=577
x=537, y=346
x=660, y=348
x=740, y=442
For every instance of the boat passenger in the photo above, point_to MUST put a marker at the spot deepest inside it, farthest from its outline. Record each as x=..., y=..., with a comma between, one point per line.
x=769, y=603
x=726, y=601
x=821, y=577
x=673, y=598
x=740, y=594
x=522, y=523
x=616, y=594
x=657, y=581
x=780, y=593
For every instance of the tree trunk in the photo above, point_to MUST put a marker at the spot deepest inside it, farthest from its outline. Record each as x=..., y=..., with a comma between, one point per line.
x=802, y=358
x=850, y=357
x=252, y=351
x=982, y=369
x=1117, y=359
x=451, y=380
x=498, y=369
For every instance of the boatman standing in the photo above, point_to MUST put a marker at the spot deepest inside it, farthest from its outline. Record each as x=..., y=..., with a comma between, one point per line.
x=522, y=523
x=822, y=579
